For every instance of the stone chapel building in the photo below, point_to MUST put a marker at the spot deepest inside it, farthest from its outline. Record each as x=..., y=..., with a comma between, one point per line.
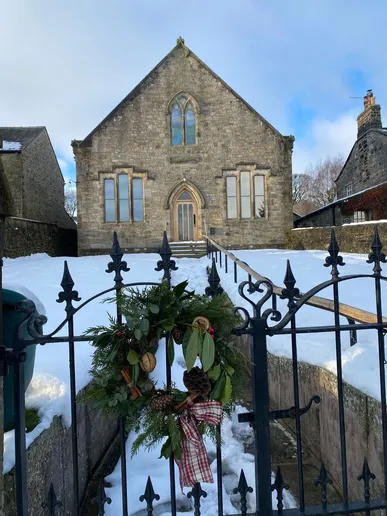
x=184, y=153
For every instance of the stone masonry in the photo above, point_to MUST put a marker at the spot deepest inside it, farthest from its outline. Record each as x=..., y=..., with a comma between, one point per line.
x=135, y=139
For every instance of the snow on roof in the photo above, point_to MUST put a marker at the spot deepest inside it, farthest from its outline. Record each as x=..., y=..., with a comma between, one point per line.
x=11, y=146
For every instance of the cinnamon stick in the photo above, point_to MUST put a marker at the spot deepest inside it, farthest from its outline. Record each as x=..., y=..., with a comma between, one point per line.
x=136, y=393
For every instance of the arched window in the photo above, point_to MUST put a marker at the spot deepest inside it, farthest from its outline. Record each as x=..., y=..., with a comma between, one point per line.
x=183, y=121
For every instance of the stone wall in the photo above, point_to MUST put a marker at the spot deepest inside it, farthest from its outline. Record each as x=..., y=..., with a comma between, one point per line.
x=49, y=459
x=354, y=238
x=135, y=140
x=24, y=237
x=366, y=165
x=320, y=426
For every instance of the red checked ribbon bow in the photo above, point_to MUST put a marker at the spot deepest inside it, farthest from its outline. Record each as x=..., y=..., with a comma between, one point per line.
x=194, y=466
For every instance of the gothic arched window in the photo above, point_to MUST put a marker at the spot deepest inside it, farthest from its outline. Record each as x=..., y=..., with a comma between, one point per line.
x=183, y=120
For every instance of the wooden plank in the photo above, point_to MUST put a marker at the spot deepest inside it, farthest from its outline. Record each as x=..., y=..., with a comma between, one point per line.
x=356, y=314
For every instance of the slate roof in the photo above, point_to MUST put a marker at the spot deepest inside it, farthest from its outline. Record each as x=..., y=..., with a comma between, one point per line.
x=23, y=135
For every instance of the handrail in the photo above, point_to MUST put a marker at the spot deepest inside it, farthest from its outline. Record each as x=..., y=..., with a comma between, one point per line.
x=348, y=311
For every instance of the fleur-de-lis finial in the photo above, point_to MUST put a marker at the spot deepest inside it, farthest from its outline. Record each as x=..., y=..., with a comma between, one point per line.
x=279, y=486
x=101, y=498
x=366, y=476
x=323, y=480
x=334, y=259
x=149, y=496
x=197, y=493
x=166, y=264
x=68, y=295
x=243, y=488
x=213, y=279
x=290, y=292
x=117, y=264
x=52, y=502
x=376, y=256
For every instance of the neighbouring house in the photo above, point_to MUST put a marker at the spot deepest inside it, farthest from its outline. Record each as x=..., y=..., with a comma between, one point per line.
x=302, y=208
x=361, y=184
x=33, y=188
x=183, y=152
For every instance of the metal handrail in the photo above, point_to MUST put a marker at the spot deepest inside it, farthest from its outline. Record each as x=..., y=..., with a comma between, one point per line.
x=350, y=312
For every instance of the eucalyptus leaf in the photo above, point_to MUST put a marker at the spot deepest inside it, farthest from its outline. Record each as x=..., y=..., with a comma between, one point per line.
x=130, y=323
x=144, y=326
x=227, y=391
x=214, y=372
x=171, y=350
x=154, y=309
x=133, y=357
x=137, y=334
x=191, y=352
x=208, y=352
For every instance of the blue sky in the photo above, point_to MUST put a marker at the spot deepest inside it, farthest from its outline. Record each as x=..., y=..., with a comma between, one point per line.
x=66, y=64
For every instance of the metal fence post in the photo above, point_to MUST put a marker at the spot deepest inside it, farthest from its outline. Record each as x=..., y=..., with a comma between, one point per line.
x=2, y=225
x=261, y=417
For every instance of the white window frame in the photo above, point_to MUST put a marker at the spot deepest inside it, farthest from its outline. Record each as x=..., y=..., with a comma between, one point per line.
x=348, y=190
x=237, y=174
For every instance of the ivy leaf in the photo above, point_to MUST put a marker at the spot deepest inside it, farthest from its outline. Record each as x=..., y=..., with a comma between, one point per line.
x=227, y=391
x=137, y=334
x=166, y=449
x=191, y=352
x=171, y=350
x=180, y=288
x=144, y=326
x=154, y=309
x=135, y=374
x=218, y=389
x=133, y=357
x=208, y=352
x=214, y=372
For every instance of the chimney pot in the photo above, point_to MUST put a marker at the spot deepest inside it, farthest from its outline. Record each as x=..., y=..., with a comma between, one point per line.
x=370, y=118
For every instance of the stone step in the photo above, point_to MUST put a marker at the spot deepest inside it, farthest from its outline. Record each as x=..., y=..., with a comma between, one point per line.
x=188, y=249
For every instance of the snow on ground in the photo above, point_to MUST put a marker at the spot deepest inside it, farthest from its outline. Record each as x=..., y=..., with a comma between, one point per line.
x=49, y=389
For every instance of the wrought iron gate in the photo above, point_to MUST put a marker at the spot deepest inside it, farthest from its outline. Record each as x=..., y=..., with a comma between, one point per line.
x=262, y=321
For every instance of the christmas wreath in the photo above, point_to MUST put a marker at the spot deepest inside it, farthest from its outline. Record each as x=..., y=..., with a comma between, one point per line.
x=125, y=357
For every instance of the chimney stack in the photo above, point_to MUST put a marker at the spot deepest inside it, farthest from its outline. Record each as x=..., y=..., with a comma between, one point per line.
x=370, y=118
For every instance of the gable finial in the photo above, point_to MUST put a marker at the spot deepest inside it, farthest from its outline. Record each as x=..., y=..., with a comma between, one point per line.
x=180, y=40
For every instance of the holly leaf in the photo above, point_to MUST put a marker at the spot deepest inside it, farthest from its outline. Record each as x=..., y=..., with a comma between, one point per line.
x=192, y=350
x=171, y=350
x=137, y=334
x=166, y=449
x=154, y=309
x=178, y=452
x=208, y=352
x=218, y=389
x=133, y=357
x=144, y=326
x=103, y=340
x=227, y=391
x=214, y=372
x=186, y=337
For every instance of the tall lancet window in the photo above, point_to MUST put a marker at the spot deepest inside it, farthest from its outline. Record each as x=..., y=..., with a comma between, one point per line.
x=183, y=115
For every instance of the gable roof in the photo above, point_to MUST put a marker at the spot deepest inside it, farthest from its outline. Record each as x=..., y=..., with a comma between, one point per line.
x=136, y=90
x=21, y=135
x=380, y=131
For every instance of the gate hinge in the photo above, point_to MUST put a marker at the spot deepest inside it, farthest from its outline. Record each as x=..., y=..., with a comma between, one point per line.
x=5, y=360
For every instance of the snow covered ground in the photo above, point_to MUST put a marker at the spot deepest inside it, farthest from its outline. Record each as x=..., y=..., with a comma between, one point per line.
x=49, y=389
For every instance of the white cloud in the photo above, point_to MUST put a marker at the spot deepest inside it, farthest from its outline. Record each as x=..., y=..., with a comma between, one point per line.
x=63, y=165
x=326, y=138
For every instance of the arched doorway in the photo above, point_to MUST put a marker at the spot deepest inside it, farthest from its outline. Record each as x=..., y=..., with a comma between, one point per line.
x=185, y=217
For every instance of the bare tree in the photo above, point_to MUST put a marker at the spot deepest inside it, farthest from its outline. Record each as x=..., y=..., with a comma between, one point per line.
x=323, y=175
x=301, y=187
x=71, y=201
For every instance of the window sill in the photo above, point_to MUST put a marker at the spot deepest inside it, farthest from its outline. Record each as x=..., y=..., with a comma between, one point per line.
x=253, y=219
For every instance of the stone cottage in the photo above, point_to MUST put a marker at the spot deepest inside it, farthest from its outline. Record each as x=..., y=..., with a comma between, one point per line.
x=32, y=187
x=184, y=153
x=362, y=182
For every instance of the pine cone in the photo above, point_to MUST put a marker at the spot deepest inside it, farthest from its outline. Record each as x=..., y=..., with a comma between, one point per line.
x=178, y=335
x=121, y=357
x=197, y=381
x=161, y=402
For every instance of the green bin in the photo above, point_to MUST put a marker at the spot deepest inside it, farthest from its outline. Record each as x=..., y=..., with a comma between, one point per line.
x=11, y=320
